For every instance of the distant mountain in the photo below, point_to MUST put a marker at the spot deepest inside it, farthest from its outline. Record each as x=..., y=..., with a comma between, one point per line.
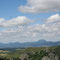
x=29, y=44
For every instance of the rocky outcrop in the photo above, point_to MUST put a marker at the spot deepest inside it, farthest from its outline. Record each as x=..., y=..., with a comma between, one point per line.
x=45, y=54
x=45, y=58
x=24, y=57
x=51, y=56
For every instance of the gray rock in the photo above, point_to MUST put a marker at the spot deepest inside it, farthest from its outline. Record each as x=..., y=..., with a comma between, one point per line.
x=45, y=58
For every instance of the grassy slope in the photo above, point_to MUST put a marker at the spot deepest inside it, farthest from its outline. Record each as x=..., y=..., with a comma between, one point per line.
x=17, y=53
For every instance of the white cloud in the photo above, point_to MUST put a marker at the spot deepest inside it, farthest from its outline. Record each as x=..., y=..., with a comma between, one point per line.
x=1, y=20
x=53, y=23
x=40, y=6
x=54, y=18
x=50, y=30
x=20, y=20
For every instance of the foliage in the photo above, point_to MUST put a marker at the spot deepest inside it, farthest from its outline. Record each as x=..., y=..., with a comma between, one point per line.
x=36, y=53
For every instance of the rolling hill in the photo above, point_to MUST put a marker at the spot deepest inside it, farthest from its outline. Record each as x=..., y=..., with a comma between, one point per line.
x=39, y=43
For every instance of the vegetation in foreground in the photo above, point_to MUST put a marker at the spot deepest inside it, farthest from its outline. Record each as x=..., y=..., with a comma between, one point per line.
x=31, y=53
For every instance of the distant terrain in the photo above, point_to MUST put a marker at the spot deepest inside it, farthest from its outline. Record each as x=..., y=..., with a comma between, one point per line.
x=39, y=50
x=30, y=44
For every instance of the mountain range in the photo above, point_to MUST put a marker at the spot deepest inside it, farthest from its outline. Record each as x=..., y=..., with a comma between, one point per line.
x=39, y=43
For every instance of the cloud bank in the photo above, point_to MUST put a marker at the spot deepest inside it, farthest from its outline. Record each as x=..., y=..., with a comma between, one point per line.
x=24, y=32
x=40, y=6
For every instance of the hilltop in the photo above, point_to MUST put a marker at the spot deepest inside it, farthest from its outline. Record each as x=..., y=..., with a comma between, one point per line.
x=39, y=43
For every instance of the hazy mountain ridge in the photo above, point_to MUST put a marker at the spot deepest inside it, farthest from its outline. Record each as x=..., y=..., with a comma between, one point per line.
x=30, y=44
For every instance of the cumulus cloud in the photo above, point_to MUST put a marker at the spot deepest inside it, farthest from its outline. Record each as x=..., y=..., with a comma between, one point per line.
x=40, y=6
x=53, y=23
x=54, y=18
x=50, y=30
x=20, y=20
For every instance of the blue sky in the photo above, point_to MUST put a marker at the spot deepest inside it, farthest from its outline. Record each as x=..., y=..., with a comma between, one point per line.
x=9, y=9
x=36, y=18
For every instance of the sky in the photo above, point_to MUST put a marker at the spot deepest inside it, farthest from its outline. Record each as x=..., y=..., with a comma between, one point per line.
x=29, y=20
